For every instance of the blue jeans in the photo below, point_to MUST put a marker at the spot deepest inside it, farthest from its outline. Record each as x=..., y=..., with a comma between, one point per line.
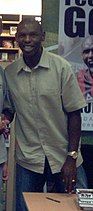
x=29, y=181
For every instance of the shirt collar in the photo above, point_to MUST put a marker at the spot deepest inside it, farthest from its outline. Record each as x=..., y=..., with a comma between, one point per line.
x=44, y=62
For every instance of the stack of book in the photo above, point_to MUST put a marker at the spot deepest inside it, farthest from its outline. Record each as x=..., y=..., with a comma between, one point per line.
x=85, y=198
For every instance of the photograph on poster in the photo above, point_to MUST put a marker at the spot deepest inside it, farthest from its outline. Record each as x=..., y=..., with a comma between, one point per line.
x=75, y=24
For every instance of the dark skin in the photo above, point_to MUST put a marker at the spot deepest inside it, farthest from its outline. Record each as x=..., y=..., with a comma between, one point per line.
x=30, y=37
x=69, y=169
x=87, y=53
x=88, y=59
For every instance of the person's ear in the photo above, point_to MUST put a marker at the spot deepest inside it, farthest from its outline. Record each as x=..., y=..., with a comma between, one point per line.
x=43, y=36
x=82, y=56
x=16, y=38
x=1, y=25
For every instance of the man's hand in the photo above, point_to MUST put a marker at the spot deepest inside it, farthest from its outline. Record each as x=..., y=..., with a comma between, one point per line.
x=3, y=123
x=5, y=172
x=69, y=173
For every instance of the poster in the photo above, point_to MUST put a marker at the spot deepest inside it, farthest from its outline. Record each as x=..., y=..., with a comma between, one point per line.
x=75, y=24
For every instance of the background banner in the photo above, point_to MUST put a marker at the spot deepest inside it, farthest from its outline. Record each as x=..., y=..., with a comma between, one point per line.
x=75, y=24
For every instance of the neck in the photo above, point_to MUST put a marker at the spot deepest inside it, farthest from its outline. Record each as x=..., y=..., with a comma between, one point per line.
x=32, y=61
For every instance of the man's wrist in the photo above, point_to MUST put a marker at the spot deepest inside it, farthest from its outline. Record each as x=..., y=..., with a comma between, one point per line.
x=73, y=154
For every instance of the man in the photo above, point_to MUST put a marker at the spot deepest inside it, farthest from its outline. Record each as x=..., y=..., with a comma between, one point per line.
x=47, y=100
x=85, y=76
x=85, y=80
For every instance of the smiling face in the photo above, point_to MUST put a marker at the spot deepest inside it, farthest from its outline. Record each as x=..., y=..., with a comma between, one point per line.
x=29, y=37
x=87, y=54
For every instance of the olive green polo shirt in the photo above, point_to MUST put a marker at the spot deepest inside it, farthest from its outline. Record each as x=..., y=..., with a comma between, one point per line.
x=41, y=97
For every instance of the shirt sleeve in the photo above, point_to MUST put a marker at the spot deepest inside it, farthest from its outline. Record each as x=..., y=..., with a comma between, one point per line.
x=72, y=96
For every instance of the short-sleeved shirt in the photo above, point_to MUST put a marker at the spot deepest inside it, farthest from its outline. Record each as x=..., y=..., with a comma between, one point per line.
x=3, y=152
x=41, y=97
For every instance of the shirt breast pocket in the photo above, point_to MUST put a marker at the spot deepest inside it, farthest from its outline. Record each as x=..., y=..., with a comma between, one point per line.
x=51, y=98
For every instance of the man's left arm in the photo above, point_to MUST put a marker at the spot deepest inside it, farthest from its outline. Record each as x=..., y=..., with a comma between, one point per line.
x=74, y=132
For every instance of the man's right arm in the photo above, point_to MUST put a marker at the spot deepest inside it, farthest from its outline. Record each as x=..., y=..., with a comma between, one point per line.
x=8, y=105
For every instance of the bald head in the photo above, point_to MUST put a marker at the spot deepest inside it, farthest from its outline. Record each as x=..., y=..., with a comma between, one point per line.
x=87, y=52
x=87, y=43
x=29, y=22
